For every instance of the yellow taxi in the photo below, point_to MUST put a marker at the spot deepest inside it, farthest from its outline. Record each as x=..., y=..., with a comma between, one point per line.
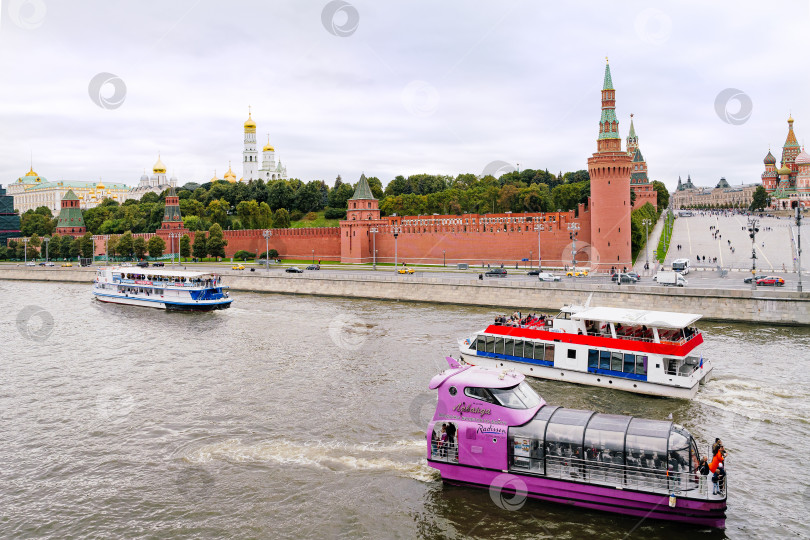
x=577, y=273
x=66, y=264
x=238, y=267
x=405, y=271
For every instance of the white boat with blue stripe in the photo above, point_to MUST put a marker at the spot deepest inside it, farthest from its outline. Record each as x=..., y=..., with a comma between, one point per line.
x=161, y=288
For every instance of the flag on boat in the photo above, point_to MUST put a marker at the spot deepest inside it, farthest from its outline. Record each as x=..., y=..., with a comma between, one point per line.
x=701, y=361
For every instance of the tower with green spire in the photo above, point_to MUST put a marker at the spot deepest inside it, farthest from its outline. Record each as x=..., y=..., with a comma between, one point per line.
x=632, y=139
x=363, y=205
x=71, y=220
x=608, y=140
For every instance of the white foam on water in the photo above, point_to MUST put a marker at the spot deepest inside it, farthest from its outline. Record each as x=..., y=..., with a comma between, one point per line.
x=334, y=456
x=752, y=399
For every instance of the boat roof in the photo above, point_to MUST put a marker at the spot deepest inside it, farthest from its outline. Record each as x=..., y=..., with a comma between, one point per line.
x=658, y=319
x=160, y=272
x=479, y=377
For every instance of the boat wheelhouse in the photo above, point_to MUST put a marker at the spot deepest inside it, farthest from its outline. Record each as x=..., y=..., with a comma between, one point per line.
x=161, y=288
x=640, y=351
x=491, y=429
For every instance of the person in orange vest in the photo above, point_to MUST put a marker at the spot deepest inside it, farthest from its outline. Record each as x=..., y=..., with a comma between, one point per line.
x=718, y=458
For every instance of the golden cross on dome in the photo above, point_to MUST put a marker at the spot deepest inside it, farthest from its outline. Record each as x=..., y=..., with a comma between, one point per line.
x=249, y=112
x=606, y=60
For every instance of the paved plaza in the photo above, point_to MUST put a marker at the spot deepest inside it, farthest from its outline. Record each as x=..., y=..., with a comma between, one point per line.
x=775, y=242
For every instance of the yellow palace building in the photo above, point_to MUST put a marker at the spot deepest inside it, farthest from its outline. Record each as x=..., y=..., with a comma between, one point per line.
x=31, y=191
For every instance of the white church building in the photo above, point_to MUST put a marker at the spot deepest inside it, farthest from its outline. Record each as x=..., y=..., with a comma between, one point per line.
x=270, y=168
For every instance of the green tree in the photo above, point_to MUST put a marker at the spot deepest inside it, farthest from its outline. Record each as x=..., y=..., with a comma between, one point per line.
x=185, y=246
x=200, y=249
x=75, y=247
x=54, y=246
x=125, y=244
x=663, y=194
x=139, y=247
x=156, y=246
x=218, y=212
x=35, y=242
x=3, y=253
x=281, y=219
x=216, y=242
x=32, y=222
x=339, y=196
x=112, y=246
x=760, y=200
x=279, y=195
x=87, y=245
x=66, y=247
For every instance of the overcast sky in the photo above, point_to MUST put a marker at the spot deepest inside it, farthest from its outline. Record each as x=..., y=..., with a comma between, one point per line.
x=390, y=88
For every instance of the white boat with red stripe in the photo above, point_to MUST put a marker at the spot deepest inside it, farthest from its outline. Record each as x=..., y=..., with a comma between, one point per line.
x=639, y=351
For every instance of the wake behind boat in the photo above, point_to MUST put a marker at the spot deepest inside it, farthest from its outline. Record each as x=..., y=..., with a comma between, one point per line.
x=161, y=288
x=640, y=351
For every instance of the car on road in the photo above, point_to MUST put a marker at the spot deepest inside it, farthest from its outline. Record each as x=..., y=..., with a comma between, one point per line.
x=634, y=275
x=294, y=270
x=159, y=264
x=576, y=273
x=771, y=280
x=546, y=276
x=314, y=267
x=622, y=278
x=238, y=267
x=66, y=265
x=143, y=264
x=749, y=279
x=496, y=272
x=533, y=272
x=49, y=263
x=405, y=271
x=30, y=263
x=42, y=264
x=126, y=264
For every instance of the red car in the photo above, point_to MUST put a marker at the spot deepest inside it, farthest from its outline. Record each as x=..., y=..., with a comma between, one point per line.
x=771, y=280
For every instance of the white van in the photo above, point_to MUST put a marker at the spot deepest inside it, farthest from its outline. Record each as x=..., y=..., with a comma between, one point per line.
x=665, y=277
x=681, y=266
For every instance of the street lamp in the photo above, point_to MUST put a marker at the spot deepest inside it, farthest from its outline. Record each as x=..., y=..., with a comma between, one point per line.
x=25, y=249
x=444, y=257
x=313, y=256
x=573, y=229
x=267, y=233
x=799, y=245
x=373, y=231
x=48, y=241
x=647, y=223
x=395, y=230
x=171, y=245
x=539, y=227
x=752, y=232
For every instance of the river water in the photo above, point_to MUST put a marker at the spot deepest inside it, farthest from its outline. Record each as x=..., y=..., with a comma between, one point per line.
x=304, y=417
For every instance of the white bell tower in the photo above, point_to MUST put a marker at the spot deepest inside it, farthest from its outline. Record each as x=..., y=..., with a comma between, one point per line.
x=250, y=157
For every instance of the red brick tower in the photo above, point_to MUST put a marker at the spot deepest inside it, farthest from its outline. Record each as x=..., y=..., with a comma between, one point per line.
x=172, y=220
x=610, y=170
x=71, y=221
x=357, y=236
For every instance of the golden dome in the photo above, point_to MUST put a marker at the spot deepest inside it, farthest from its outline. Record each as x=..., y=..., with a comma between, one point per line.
x=99, y=186
x=31, y=173
x=268, y=148
x=159, y=167
x=230, y=176
x=250, y=125
x=784, y=170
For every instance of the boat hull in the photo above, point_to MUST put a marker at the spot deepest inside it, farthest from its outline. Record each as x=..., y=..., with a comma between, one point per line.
x=701, y=512
x=163, y=304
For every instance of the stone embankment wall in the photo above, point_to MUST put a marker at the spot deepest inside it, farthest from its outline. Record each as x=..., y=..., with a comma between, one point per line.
x=769, y=306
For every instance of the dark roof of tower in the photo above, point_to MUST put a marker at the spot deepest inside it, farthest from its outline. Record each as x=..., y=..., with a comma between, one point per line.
x=638, y=158
x=70, y=196
x=363, y=190
x=608, y=84
x=722, y=184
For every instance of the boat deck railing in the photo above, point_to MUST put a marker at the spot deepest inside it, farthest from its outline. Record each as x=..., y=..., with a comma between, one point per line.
x=444, y=451
x=665, y=336
x=686, y=484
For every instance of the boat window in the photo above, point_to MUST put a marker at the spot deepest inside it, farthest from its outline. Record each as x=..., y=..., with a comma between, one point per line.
x=563, y=315
x=629, y=363
x=593, y=359
x=498, y=345
x=508, y=346
x=479, y=393
x=572, y=354
x=564, y=435
x=616, y=361
x=647, y=442
x=517, y=397
x=678, y=450
x=519, y=348
x=490, y=344
x=538, y=351
x=604, y=359
x=641, y=364
x=549, y=356
x=604, y=438
x=528, y=441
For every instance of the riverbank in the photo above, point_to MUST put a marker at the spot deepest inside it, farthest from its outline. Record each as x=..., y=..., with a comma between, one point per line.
x=760, y=306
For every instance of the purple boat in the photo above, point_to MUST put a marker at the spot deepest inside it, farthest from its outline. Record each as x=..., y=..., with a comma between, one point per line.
x=492, y=430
